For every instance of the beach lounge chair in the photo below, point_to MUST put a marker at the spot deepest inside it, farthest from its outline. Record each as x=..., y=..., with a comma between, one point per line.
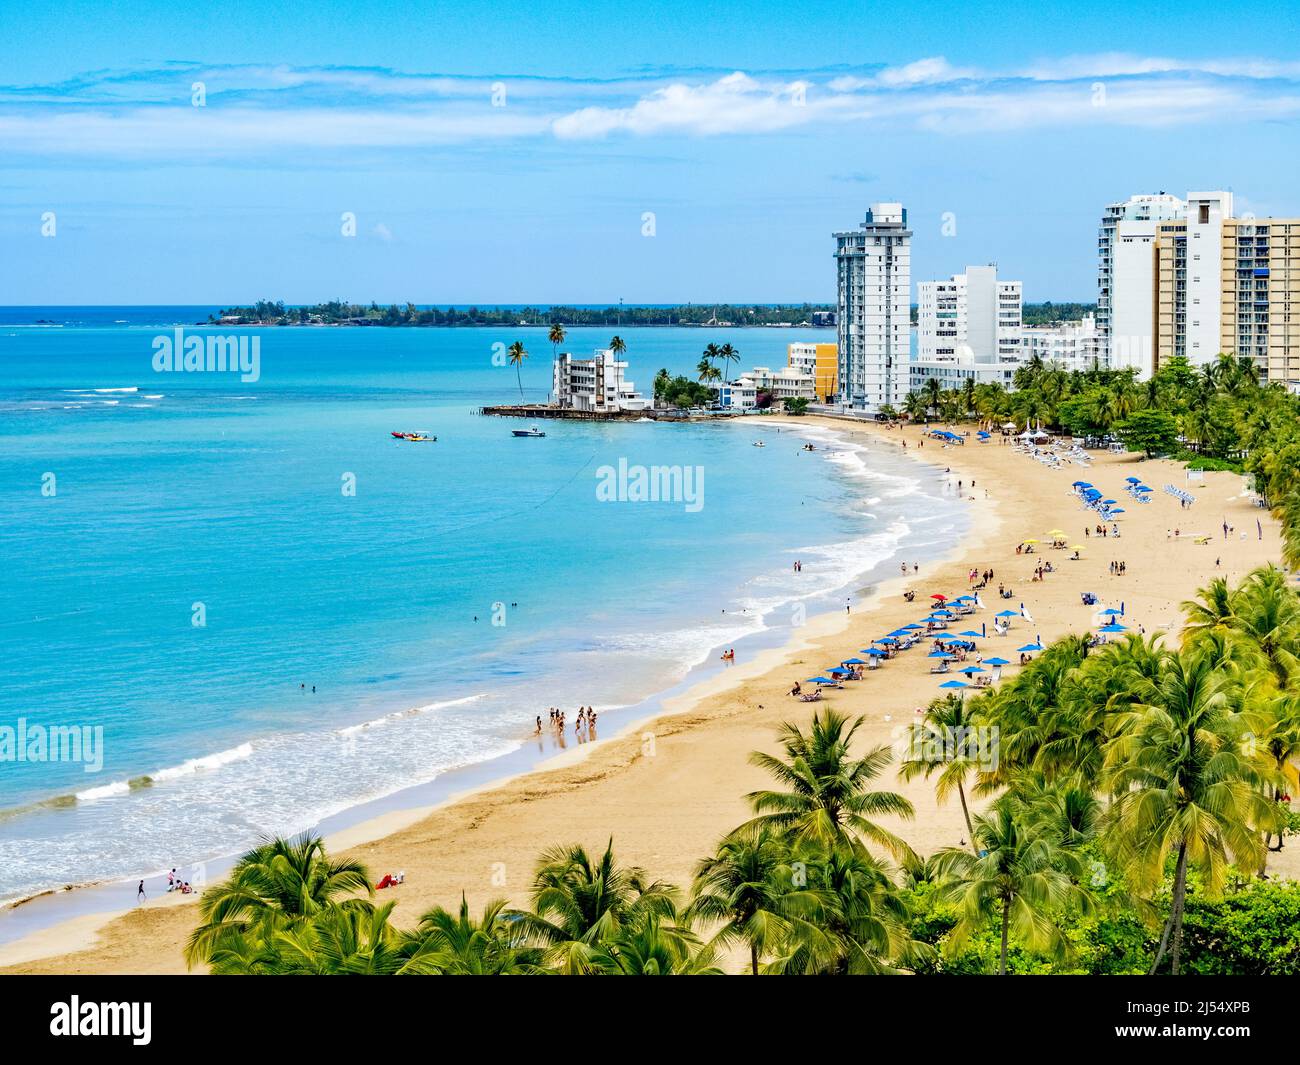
x=942, y=667
x=811, y=697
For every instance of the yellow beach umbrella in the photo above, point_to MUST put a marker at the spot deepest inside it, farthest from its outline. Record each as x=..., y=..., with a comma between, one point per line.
x=1031, y=540
x=1078, y=547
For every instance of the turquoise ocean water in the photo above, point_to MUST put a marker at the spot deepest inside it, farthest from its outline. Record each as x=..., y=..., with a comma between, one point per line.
x=466, y=586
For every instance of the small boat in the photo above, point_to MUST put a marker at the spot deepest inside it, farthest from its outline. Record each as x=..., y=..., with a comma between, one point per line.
x=534, y=431
x=420, y=436
x=399, y=436
x=759, y=443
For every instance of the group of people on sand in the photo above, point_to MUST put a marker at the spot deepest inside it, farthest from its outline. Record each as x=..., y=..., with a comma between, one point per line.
x=175, y=883
x=391, y=880
x=1102, y=530
x=729, y=655
x=979, y=578
x=1118, y=569
x=586, y=723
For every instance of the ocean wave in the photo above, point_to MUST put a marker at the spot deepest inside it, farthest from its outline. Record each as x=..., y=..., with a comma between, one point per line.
x=398, y=715
x=196, y=765
x=104, y=791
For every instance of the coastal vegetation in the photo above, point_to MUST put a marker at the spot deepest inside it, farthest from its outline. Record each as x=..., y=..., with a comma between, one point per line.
x=1216, y=417
x=723, y=315
x=1131, y=793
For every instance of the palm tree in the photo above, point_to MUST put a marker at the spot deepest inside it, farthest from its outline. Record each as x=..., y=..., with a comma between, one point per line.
x=1290, y=514
x=579, y=902
x=939, y=742
x=1268, y=620
x=851, y=921
x=932, y=390
x=617, y=347
x=707, y=372
x=709, y=357
x=280, y=883
x=517, y=355
x=1213, y=610
x=744, y=886
x=647, y=948
x=556, y=337
x=457, y=945
x=915, y=406
x=728, y=354
x=1018, y=876
x=827, y=800
x=1183, y=784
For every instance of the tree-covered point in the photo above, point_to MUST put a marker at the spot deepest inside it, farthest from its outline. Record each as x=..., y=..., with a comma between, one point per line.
x=339, y=312
x=721, y=315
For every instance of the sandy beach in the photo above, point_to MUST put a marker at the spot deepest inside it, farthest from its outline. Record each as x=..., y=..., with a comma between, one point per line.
x=668, y=790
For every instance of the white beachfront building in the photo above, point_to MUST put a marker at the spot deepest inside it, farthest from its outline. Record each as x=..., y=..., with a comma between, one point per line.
x=1070, y=345
x=968, y=328
x=597, y=385
x=787, y=382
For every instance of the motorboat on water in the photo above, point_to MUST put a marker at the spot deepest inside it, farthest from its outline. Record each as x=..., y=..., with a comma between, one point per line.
x=534, y=431
x=759, y=443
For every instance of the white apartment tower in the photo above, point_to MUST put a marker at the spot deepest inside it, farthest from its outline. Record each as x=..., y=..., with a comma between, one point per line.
x=1126, y=279
x=971, y=317
x=873, y=265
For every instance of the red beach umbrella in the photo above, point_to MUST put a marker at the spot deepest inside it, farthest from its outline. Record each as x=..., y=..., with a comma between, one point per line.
x=941, y=598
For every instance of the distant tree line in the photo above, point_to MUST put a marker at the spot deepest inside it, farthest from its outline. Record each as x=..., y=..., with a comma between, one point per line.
x=339, y=312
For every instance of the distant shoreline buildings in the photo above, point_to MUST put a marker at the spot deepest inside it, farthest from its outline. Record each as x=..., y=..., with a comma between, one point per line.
x=1175, y=278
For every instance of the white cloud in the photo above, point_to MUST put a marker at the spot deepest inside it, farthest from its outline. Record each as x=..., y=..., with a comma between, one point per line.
x=273, y=109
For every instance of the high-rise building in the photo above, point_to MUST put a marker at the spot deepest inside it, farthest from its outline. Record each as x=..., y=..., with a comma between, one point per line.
x=873, y=318
x=1189, y=282
x=971, y=317
x=1260, y=304
x=1125, y=275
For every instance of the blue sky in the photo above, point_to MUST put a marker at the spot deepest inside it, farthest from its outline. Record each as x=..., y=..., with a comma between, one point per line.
x=749, y=131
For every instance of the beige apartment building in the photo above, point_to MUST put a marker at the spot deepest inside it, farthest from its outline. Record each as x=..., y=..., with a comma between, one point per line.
x=1226, y=284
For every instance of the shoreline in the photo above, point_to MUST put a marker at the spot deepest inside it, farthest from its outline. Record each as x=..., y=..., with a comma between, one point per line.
x=711, y=727
x=398, y=809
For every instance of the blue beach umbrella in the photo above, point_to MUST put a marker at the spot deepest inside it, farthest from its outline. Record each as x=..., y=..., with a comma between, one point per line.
x=820, y=680
x=885, y=639
x=953, y=684
x=971, y=632
x=1031, y=647
x=911, y=628
x=1009, y=614
x=1133, y=480
x=875, y=652
x=853, y=662
x=1117, y=510
x=837, y=672
x=972, y=669
x=1081, y=484
x=1114, y=627
x=1112, y=610
x=938, y=654
x=996, y=662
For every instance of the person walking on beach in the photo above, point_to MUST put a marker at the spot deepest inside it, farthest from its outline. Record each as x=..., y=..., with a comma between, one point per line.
x=139, y=892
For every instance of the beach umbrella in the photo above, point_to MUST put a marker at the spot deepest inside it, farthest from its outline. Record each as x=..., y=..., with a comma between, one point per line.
x=820, y=680
x=1082, y=484
x=939, y=597
x=1031, y=647
x=1009, y=614
x=969, y=670
x=1133, y=480
x=837, y=672
x=1114, y=626
x=875, y=652
x=853, y=662
x=1079, y=547
x=913, y=627
x=996, y=662
x=1143, y=488
x=953, y=684
x=938, y=654
x=1117, y=510
x=885, y=639
x=1108, y=502
x=1112, y=610
x=1031, y=540
x=972, y=632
